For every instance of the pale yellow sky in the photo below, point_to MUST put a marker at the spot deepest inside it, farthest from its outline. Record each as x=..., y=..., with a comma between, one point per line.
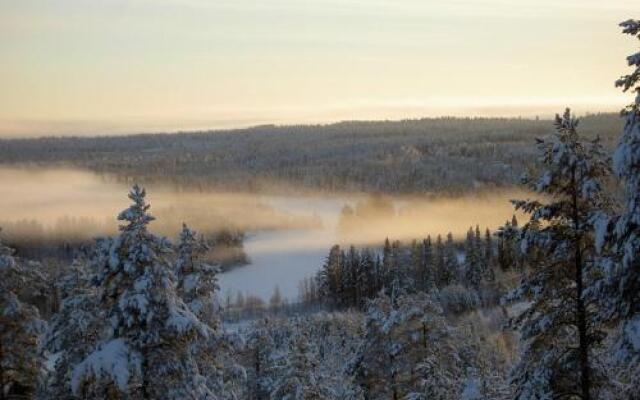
x=96, y=67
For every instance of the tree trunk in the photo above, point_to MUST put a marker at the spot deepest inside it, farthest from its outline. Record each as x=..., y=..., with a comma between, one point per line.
x=3, y=321
x=582, y=330
x=424, y=335
x=258, y=372
x=585, y=380
x=145, y=379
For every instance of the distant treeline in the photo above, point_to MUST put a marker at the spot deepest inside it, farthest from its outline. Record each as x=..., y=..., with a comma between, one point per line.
x=422, y=155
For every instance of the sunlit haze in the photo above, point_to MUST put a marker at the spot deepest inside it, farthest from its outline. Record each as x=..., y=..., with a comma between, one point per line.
x=95, y=67
x=288, y=236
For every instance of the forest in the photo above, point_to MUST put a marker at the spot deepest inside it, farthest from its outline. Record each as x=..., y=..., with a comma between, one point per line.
x=414, y=156
x=547, y=306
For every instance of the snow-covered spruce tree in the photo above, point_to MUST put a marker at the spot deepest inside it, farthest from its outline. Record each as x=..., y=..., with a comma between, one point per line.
x=558, y=328
x=366, y=279
x=20, y=326
x=473, y=266
x=451, y=270
x=197, y=286
x=417, y=264
x=349, y=277
x=387, y=265
x=329, y=277
x=488, y=252
x=259, y=356
x=621, y=289
x=483, y=250
x=490, y=288
x=335, y=338
x=439, y=262
x=74, y=329
x=299, y=378
x=424, y=266
x=377, y=366
x=197, y=282
x=410, y=351
x=147, y=352
x=508, y=255
x=431, y=347
x=401, y=279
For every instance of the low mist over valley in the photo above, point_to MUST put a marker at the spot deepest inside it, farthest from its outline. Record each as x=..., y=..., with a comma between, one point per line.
x=286, y=236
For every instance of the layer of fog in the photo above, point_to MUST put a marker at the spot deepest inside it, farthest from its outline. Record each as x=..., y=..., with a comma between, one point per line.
x=83, y=204
x=288, y=236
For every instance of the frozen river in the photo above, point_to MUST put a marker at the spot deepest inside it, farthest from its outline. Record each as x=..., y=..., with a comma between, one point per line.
x=286, y=256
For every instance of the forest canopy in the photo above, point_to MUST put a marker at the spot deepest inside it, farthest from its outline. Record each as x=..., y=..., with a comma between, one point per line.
x=410, y=156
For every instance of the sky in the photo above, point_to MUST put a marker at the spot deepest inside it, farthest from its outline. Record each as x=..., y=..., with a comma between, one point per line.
x=125, y=66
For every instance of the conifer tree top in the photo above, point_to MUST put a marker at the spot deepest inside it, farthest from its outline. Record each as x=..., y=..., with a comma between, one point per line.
x=136, y=215
x=626, y=82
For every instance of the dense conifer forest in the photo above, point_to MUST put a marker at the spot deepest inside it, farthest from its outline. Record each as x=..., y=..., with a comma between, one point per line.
x=413, y=156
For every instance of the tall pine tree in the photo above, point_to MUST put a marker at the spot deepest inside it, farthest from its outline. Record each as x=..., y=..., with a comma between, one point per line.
x=20, y=325
x=147, y=353
x=619, y=236
x=558, y=329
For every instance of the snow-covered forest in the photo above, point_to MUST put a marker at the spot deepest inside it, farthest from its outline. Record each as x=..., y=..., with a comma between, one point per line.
x=547, y=306
x=413, y=156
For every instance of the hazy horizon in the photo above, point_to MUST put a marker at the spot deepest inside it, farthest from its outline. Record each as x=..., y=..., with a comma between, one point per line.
x=97, y=129
x=134, y=66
